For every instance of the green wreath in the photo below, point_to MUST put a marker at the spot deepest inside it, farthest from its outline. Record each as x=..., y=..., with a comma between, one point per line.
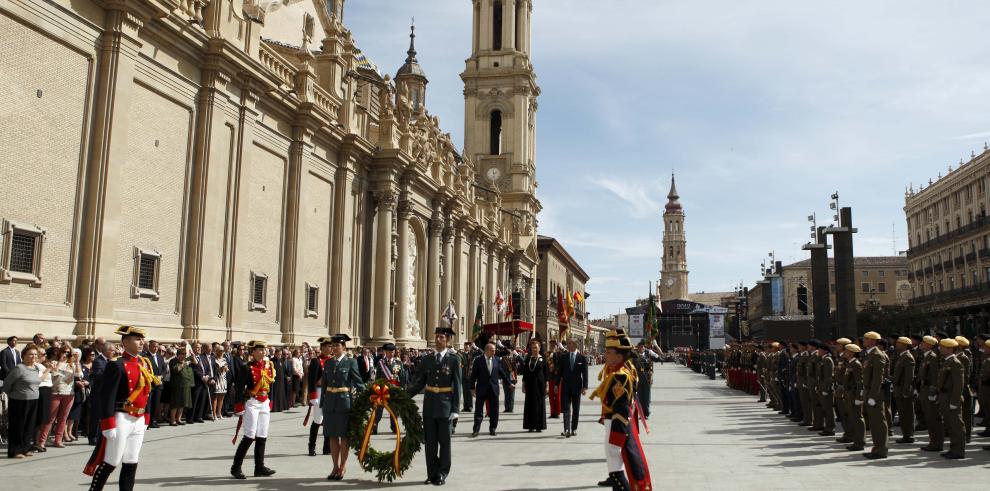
x=383, y=464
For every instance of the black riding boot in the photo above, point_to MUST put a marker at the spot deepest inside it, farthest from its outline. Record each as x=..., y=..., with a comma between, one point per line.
x=607, y=483
x=259, y=459
x=314, y=431
x=242, y=450
x=619, y=482
x=128, y=473
x=100, y=476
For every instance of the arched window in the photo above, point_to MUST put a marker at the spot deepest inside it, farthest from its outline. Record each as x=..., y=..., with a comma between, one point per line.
x=495, y=135
x=496, y=25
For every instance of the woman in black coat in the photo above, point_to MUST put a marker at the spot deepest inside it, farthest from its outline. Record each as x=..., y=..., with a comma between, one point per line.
x=534, y=374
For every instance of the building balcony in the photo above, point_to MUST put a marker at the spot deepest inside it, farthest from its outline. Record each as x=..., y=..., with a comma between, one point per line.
x=971, y=257
x=954, y=295
x=979, y=224
x=959, y=262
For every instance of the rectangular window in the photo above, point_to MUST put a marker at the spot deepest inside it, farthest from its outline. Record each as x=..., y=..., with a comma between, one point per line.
x=259, y=292
x=312, y=300
x=881, y=273
x=21, y=259
x=866, y=287
x=496, y=26
x=147, y=266
x=866, y=274
x=882, y=287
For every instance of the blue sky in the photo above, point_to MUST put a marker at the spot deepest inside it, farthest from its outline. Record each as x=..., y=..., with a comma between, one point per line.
x=763, y=108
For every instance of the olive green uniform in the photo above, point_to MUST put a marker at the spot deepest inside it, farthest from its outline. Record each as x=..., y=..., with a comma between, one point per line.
x=855, y=427
x=951, y=382
x=873, y=397
x=903, y=380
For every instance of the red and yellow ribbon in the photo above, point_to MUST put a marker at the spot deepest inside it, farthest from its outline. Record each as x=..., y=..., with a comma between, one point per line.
x=379, y=397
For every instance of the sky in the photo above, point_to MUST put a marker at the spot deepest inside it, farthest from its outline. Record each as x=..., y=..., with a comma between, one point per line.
x=762, y=108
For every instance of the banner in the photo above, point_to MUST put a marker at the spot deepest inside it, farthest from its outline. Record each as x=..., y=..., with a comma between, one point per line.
x=636, y=326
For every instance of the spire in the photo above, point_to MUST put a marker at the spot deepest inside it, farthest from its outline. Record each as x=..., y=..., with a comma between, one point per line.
x=412, y=43
x=672, y=204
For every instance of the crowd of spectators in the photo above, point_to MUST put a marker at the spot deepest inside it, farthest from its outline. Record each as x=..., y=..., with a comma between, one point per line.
x=45, y=384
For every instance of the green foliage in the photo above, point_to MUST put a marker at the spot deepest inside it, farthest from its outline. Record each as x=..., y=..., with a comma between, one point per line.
x=412, y=431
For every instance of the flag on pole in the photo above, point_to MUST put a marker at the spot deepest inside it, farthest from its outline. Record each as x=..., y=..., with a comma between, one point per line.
x=478, y=318
x=449, y=315
x=499, y=301
x=510, y=309
x=570, y=305
x=650, y=320
x=561, y=314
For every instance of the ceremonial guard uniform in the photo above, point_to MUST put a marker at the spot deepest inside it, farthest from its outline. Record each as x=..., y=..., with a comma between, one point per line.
x=341, y=377
x=119, y=403
x=440, y=376
x=855, y=427
x=254, y=409
x=621, y=417
x=825, y=396
x=951, y=383
x=903, y=387
x=313, y=379
x=873, y=379
x=962, y=353
x=392, y=370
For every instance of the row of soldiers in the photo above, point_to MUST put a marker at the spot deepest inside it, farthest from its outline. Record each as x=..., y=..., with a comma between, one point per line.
x=935, y=380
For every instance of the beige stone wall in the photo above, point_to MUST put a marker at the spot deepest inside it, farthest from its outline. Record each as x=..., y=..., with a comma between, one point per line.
x=314, y=250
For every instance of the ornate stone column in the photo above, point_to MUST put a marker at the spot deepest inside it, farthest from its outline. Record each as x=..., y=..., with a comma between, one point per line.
x=447, y=281
x=385, y=202
x=490, y=282
x=473, y=282
x=432, y=290
x=400, y=330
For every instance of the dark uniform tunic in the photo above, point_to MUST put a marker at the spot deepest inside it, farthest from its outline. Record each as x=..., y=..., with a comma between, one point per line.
x=340, y=377
x=439, y=375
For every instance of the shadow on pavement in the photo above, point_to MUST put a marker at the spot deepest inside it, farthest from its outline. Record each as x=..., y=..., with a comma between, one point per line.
x=555, y=463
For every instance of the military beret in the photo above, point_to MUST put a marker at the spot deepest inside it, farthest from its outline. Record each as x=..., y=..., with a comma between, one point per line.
x=930, y=340
x=872, y=335
x=948, y=343
x=842, y=341
x=853, y=347
x=131, y=331
x=256, y=344
x=904, y=340
x=962, y=341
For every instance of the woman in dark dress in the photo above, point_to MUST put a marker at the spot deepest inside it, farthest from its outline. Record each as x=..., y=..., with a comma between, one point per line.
x=180, y=387
x=534, y=373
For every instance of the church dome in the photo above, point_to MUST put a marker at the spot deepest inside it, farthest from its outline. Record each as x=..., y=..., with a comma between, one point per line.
x=673, y=205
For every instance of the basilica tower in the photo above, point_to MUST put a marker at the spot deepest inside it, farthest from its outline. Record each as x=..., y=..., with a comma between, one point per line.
x=500, y=94
x=673, y=271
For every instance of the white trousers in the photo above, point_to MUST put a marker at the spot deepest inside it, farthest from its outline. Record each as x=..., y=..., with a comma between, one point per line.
x=257, y=415
x=126, y=445
x=613, y=453
x=317, y=414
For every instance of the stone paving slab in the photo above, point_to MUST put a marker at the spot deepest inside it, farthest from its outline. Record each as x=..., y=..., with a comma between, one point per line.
x=703, y=436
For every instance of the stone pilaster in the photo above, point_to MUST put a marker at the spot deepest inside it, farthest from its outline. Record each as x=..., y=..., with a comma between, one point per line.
x=341, y=267
x=402, y=274
x=301, y=145
x=432, y=290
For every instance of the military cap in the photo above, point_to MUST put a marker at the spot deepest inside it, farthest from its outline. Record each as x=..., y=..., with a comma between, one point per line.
x=642, y=342
x=904, y=340
x=131, y=331
x=930, y=340
x=388, y=347
x=340, y=338
x=324, y=340
x=917, y=337
x=983, y=336
x=987, y=343
x=615, y=333
x=942, y=334
x=872, y=335
x=842, y=341
x=621, y=343
x=948, y=343
x=803, y=342
x=962, y=341
x=772, y=345
x=444, y=330
x=853, y=347
x=256, y=344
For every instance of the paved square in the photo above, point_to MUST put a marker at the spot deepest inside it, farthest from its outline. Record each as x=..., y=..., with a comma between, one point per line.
x=703, y=436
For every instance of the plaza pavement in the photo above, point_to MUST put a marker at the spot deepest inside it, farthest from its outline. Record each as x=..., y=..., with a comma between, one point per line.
x=703, y=436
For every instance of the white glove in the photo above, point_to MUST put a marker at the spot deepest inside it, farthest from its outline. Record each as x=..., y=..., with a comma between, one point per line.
x=454, y=416
x=314, y=402
x=931, y=398
x=824, y=393
x=953, y=407
x=858, y=402
x=871, y=402
x=916, y=392
x=110, y=434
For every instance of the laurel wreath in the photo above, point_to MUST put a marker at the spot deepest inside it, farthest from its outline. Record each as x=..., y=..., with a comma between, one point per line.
x=384, y=464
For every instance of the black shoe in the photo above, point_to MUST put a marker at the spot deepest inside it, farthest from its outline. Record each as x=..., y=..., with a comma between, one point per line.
x=984, y=433
x=153, y=425
x=237, y=473
x=199, y=421
x=826, y=433
x=474, y=434
x=987, y=448
x=906, y=439
x=263, y=472
x=565, y=434
x=429, y=481
x=493, y=433
x=607, y=483
x=854, y=448
x=816, y=428
x=929, y=448
x=440, y=480
x=843, y=440
x=953, y=456
x=573, y=433
x=874, y=456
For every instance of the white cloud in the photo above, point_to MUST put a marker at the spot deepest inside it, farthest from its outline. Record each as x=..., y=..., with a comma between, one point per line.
x=638, y=196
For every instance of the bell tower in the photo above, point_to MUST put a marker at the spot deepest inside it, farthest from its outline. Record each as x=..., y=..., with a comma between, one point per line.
x=500, y=94
x=673, y=272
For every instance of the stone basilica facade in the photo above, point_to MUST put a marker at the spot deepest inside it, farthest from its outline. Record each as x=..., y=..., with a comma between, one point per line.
x=238, y=169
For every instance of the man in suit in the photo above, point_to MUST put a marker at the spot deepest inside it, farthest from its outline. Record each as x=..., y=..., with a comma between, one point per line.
x=486, y=375
x=228, y=356
x=366, y=365
x=439, y=374
x=158, y=368
x=573, y=378
x=200, y=392
x=103, y=352
x=9, y=357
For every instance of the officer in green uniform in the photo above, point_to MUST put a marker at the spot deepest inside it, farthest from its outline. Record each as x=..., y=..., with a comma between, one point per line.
x=964, y=356
x=825, y=389
x=928, y=394
x=903, y=386
x=340, y=377
x=853, y=388
x=439, y=375
x=951, y=383
x=874, y=370
x=393, y=371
